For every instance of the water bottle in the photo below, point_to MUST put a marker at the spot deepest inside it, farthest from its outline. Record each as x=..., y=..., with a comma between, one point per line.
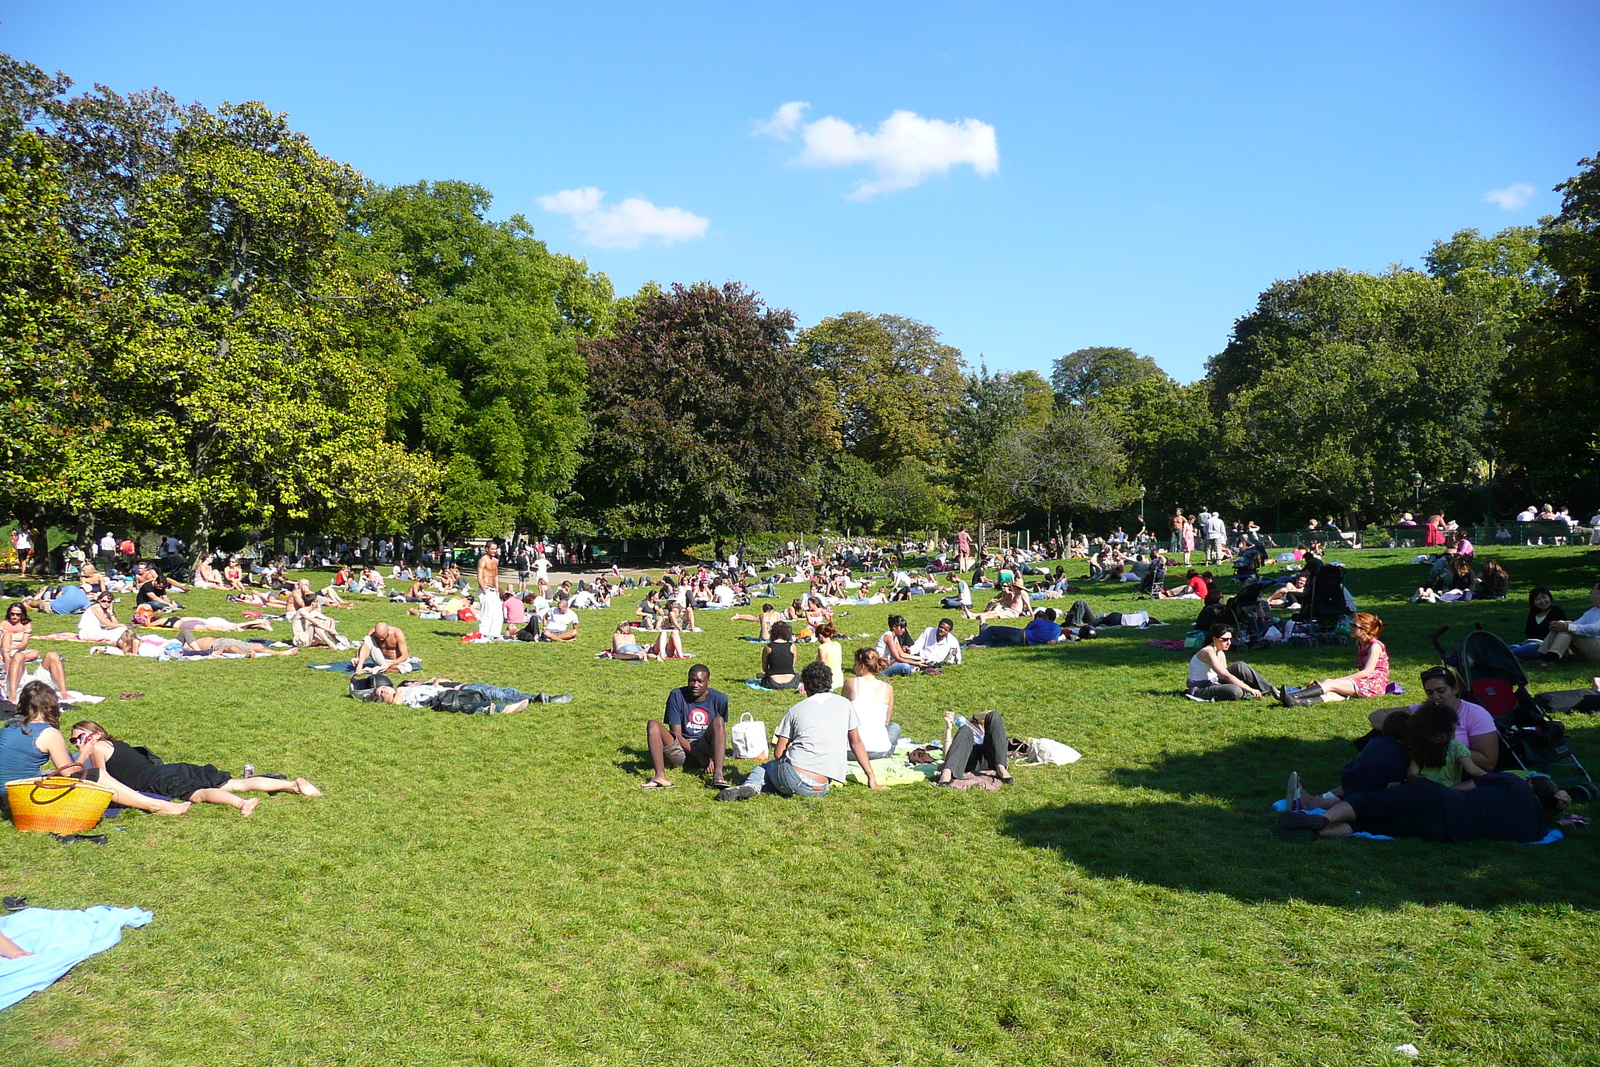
x=249, y=770
x=961, y=720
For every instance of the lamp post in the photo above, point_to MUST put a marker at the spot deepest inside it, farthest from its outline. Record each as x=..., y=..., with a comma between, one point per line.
x=1141, y=505
x=1416, y=483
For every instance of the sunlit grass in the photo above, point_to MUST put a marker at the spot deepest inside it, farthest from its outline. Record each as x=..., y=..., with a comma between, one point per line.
x=498, y=890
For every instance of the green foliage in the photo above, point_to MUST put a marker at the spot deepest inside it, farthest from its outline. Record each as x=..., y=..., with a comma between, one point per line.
x=1084, y=376
x=1341, y=384
x=912, y=500
x=849, y=493
x=1550, y=421
x=704, y=415
x=1170, y=438
x=891, y=386
x=489, y=380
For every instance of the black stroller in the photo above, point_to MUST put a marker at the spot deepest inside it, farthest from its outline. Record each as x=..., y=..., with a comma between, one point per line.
x=1155, y=578
x=1325, y=607
x=1247, y=567
x=1248, y=614
x=1530, y=739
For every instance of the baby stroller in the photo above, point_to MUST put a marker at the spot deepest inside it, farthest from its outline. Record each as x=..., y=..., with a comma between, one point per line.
x=1155, y=577
x=1530, y=739
x=1248, y=566
x=1248, y=614
x=1325, y=608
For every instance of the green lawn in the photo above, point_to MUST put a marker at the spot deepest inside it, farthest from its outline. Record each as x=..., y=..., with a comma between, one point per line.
x=499, y=890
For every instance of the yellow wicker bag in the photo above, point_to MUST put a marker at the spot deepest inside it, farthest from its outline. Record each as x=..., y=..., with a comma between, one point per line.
x=56, y=805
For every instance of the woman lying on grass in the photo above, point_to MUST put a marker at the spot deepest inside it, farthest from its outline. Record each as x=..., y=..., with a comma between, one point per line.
x=180, y=781
x=1371, y=678
x=1500, y=807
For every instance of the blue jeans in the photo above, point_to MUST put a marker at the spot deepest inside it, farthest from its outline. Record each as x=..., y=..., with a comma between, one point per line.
x=897, y=669
x=779, y=776
x=499, y=694
x=894, y=739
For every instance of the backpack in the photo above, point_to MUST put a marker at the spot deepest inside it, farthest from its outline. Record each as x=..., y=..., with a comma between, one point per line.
x=366, y=686
x=465, y=701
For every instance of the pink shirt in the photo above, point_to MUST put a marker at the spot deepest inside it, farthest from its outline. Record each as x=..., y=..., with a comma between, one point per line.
x=516, y=611
x=1472, y=720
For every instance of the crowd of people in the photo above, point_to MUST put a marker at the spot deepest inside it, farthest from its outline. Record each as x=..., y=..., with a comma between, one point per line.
x=845, y=711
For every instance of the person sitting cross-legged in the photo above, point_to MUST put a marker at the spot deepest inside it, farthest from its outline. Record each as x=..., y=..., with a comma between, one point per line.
x=813, y=740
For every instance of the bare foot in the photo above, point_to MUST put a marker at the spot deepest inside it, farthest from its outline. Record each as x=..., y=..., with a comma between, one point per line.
x=173, y=807
x=305, y=788
x=249, y=806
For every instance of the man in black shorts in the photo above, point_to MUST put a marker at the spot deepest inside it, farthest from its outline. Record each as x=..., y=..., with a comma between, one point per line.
x=695, y=734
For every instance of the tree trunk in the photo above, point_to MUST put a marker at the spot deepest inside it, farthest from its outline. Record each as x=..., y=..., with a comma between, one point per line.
x=200, y=543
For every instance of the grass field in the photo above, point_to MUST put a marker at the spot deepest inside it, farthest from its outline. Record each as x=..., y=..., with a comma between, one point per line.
x=498, y=890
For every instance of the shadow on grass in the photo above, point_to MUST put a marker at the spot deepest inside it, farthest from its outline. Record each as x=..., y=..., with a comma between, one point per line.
x=1221, y=840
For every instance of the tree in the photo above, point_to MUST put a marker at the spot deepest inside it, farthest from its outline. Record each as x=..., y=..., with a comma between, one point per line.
x=912, y=500
x=488, y=378
x=892, y=386
x=849, y=493
x=1170, y=439
x=1340, y=385
x=1072, y=462
x=1549, y=414
x=1081, y=377
x=704, y=416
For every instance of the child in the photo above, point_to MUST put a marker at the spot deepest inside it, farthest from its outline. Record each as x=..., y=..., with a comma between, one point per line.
x=1382, y=762
x=1434, y=750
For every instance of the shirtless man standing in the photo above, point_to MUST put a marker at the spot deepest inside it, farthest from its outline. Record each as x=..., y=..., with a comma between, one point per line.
x=491, y=612
x=383, y=651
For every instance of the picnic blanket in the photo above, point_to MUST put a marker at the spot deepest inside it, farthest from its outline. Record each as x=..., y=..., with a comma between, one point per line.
x=892, y=770
x=59, y=940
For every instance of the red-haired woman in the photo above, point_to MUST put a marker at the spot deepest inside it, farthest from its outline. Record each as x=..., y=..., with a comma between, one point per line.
x=1372, y=670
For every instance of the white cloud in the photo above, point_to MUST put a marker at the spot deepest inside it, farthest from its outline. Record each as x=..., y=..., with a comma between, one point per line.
x=627, y=224
x=906, y=149
x=784, y=121
x=1511, y=197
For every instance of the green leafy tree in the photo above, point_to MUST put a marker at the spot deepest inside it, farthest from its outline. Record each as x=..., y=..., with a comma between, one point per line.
x=1085, y=375
x=849, y=493
x=705, y=416
x=912, y=500
x=1170, y=438
x=1341, y=384
x=488, y=378
x=892, y=386
x=1549, y=407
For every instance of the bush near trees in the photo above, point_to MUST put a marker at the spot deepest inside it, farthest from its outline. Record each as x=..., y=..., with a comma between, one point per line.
x=205, y=324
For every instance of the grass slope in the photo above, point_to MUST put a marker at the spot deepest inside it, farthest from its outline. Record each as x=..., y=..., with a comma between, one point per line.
x=498, y=890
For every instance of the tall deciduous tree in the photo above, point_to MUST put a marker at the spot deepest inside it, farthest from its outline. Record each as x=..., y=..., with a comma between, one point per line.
x=704, y=417
x=1340, y=384
x=1550, y=406
x=892, y=386
x=218, y=384
x=1083, y=376
x=488, y=377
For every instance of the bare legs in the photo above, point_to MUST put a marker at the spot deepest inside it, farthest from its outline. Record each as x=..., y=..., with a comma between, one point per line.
x=226, y=794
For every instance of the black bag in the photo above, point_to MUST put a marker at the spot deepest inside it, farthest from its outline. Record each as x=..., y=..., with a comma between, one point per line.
x=366, y=686
x=465, y=701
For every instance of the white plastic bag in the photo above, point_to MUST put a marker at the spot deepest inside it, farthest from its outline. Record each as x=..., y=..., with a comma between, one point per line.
x=1136, y=618
x=1044, y=750
x=749, y=738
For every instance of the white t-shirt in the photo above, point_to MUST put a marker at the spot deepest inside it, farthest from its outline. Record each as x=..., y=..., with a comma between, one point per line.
x=417, y=696
x=559, y=622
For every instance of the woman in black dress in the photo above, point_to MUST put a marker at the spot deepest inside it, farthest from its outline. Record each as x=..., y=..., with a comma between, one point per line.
x=180, y=781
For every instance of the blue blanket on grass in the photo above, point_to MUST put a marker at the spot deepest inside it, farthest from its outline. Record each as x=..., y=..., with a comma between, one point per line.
x=59, y=940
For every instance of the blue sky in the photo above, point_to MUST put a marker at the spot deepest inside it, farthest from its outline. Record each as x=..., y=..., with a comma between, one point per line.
x=1125, y=175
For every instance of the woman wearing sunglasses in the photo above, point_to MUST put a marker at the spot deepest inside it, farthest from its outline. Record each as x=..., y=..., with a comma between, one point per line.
x=99, y=622
x=15, y=655
x=190, y=782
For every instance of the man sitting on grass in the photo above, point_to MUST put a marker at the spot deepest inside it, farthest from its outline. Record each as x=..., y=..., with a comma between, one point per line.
x=383, y=650
x=695, y=733
x=813, y=739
